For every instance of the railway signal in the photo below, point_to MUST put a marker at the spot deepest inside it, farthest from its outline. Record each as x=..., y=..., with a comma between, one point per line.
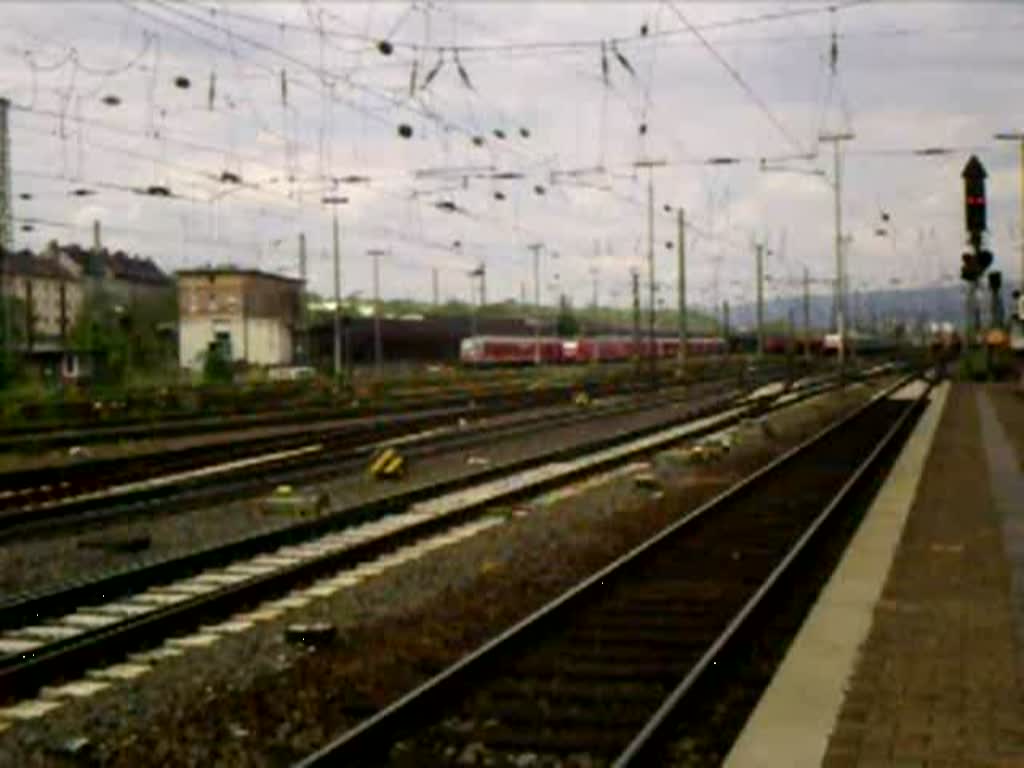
x=974, y=199
x=975, y=264
x=978, y=259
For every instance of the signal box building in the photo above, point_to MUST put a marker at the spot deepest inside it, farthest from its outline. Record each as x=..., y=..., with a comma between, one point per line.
x=245, y=314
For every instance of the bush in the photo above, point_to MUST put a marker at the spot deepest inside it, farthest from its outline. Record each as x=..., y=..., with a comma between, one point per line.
x=217, y=369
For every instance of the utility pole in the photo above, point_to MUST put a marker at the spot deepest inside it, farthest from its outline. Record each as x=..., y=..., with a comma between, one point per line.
x=483, y=284
x=378, y=351
x=635, y=277
x=6, y=214
x=837, y=188
x=6, y=232
x=683, y=330
x=435, y=285
x=725, y=323
x=650, y=165
x=303, y=357
x=790, y=345
x=337, y=298
x=1017, y=136
x=759, y=251
x=807, y=314
x=535, y=248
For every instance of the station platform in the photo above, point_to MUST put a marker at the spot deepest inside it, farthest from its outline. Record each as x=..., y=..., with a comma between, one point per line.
x=913, y=654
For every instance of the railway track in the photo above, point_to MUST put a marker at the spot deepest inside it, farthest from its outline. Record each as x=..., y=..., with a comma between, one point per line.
x=599, y=675
x=506, y=388
x=51, y=501
x=56, y=635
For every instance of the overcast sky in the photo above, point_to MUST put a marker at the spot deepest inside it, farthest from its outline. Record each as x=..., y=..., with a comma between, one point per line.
x=288, y=97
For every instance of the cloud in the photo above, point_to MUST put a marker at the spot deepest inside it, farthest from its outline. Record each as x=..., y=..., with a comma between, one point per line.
x=912, y=75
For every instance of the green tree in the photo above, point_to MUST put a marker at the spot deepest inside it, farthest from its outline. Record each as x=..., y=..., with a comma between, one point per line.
x=121, y=336
x=12, y=338
x=217, y=368
x=566, y=323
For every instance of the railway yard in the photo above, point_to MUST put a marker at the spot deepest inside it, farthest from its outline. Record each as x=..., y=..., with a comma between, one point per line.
x=260, y=598
x=530, y=385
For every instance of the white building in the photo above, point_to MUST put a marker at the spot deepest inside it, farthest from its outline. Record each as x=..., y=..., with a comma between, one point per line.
x=248, y=314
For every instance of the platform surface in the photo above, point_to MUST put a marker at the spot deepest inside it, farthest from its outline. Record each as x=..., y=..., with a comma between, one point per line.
x=912, y=655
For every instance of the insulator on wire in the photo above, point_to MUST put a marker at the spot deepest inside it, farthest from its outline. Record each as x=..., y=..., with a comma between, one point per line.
x=604, y=63
x=412, y=77
x=212, y=92
x=623, y=61
x=284, y=87
x=462, y=70
x=433, y=72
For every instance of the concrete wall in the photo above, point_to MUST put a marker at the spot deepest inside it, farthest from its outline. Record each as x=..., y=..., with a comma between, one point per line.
x=258, y=340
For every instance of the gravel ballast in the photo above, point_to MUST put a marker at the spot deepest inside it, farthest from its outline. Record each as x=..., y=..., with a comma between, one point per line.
x=253, y=699
x=46, y=562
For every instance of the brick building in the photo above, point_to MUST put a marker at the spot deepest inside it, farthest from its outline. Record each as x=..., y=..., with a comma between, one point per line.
x=248, y=314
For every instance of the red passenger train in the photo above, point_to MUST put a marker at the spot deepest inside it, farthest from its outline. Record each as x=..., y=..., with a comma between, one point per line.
x=520, y=350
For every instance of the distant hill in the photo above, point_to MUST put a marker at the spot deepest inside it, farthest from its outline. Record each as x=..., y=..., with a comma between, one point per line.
x=935, y=304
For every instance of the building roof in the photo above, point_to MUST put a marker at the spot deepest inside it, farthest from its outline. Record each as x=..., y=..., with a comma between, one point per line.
x=120, y=265
x=232, y=270
x=29, y=264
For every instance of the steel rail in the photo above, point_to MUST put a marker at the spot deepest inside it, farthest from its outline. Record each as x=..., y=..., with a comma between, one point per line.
x=394, y=720
x=336, y=453
x=648, y=739
x=93, y=475
x=168, y=425
x=20, y=675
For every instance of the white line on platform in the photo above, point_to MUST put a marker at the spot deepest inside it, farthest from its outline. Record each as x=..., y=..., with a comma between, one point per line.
x=793, y=720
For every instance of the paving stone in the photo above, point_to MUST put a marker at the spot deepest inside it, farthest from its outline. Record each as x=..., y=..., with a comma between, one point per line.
x=936, y=682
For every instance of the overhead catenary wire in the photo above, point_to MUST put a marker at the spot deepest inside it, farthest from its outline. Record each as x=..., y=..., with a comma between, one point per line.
x=395, y=182
x=751, y=93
